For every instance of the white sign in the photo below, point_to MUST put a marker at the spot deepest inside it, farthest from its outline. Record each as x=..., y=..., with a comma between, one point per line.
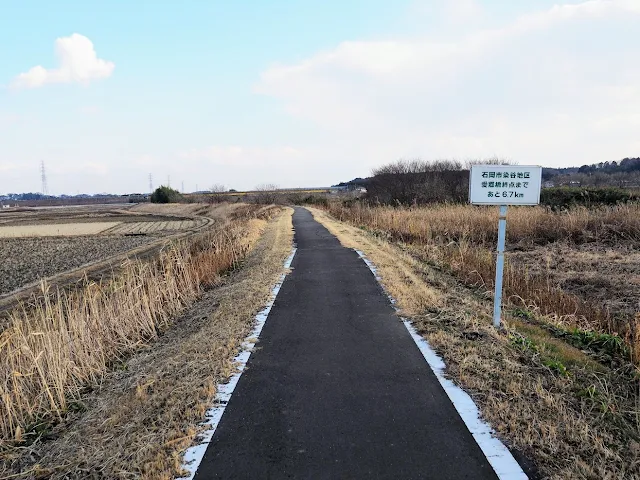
x=505, y=185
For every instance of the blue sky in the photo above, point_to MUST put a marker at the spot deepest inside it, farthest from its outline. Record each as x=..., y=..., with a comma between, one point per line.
x=302, y=93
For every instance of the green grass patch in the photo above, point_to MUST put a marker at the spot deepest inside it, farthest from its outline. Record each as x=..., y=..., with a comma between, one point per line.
x=540, y=340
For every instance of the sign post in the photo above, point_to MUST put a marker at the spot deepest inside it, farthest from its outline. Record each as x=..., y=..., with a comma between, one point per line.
x=503, y=185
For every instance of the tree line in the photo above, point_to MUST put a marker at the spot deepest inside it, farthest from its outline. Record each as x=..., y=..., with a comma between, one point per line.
x=419, y=182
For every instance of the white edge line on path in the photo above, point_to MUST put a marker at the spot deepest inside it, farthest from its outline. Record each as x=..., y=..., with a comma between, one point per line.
x=497, y=454
x=194, y=455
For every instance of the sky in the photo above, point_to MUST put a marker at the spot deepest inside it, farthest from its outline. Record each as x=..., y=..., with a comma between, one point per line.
x=307, y=93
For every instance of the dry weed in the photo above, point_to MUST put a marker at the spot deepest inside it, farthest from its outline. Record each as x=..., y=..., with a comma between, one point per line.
x=463, y=237
x=582, y=424
x=145, y=413
x=65, y=341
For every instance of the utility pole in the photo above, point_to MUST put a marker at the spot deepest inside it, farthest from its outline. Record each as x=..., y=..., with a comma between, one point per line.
x=182, y=186
x=43, y=177
x=169, y=181
x=150, y=183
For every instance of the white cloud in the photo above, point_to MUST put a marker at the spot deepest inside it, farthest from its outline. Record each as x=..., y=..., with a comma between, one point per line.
x=536, y=90
x=447, y=12
x=78, y=63
x=461, y=10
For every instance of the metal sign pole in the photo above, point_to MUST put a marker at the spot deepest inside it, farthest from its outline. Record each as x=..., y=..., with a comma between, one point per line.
x=503, y=185
x=502, y=233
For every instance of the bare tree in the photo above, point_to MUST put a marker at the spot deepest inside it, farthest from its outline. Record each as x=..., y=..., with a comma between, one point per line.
x=266, y=193
x=489, y=161
x=217, y=193
x=418, y=181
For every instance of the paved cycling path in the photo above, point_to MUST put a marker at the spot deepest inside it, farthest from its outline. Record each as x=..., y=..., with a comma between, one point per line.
x=337, y=387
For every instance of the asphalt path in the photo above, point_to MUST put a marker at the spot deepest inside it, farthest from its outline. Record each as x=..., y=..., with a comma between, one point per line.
x=338, y=389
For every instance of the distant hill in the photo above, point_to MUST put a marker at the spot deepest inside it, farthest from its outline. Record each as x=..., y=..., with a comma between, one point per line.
x=621, y=173
x=626, y=165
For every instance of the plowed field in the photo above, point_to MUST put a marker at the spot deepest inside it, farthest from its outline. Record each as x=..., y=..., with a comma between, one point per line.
x=25, y=260
x=137, y=228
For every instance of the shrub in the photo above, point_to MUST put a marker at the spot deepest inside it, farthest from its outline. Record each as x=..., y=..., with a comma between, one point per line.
x=566, y=197
x=308, y=199
x=165, y=195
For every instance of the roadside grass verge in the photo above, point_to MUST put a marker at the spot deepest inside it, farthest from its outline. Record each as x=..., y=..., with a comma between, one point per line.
x=62, y=343
x=547, y=399
x=462, y=239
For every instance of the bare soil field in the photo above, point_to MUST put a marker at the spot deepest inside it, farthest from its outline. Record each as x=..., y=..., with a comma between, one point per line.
x=143, y=228
x=171, y=208
x=55, y=230
x=25, y=260
x=90, y=214
x=65, y=244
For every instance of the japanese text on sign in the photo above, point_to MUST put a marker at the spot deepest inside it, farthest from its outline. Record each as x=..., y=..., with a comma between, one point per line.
x=505, y=185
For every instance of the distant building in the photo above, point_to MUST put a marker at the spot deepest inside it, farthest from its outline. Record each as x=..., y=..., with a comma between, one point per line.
x=137, y=197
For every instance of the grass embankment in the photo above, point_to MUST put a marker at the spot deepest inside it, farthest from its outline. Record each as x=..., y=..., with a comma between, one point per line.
x=60, y=345
x=573, y=416
x=148, y=410
x=463, y=238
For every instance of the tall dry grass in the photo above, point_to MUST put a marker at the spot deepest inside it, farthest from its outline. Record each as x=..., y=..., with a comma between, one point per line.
x=464, y=237
x=64, y=341
x=478, y=225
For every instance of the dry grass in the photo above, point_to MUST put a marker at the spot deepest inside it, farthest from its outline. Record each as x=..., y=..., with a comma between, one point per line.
x=59, y=230
x=54, y=348
x=148, y=411
x=462, y=238
x=478, y=225
x=581, y=424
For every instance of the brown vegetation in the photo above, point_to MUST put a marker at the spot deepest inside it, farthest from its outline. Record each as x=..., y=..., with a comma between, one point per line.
x=551, y=402
x=59, y=344
x=147, y=410
x=463, y=238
